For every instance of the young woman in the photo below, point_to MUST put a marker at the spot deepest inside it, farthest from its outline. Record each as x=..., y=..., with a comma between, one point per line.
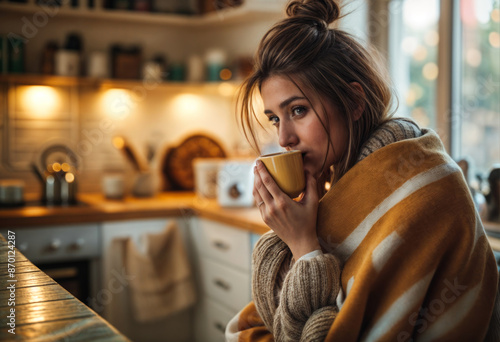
x=394, y=250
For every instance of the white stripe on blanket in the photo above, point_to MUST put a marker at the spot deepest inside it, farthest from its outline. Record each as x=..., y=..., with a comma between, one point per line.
x=232, y=333
x=352, y=242
x=400, y=309
x=452, y=317
x=382, y=253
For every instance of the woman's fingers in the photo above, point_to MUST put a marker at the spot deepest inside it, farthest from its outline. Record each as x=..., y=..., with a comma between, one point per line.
x=268, y=181
x=260, y=191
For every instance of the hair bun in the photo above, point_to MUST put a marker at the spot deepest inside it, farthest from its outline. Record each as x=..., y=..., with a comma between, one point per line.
x=323, y=11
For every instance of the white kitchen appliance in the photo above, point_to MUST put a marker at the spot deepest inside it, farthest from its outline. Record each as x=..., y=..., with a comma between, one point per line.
x=235, y=183
x=205, y=176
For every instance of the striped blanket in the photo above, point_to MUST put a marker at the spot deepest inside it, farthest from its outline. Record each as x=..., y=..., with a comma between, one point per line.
x=416, y=262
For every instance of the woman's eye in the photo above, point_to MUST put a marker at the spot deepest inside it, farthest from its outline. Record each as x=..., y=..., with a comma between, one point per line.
x=299, y=110
x=274, y=119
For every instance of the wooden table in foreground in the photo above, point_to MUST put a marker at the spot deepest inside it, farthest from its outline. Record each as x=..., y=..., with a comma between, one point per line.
x=43, y=310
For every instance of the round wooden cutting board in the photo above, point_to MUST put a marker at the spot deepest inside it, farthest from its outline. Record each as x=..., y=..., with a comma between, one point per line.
x=177, y=164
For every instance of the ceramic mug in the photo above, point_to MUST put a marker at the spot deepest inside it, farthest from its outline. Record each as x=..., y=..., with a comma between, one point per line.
x=287, y=170
x=113, y=186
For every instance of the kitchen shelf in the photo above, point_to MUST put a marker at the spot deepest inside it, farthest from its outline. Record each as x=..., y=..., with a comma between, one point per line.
x=250, y=11
x=52, y=80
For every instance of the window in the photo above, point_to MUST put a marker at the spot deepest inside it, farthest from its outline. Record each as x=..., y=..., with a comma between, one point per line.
x=414, y=46
x=473, y=58
x=480, y=82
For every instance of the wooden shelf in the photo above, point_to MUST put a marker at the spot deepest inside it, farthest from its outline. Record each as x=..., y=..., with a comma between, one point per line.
x=52, y=80
x=250, y=11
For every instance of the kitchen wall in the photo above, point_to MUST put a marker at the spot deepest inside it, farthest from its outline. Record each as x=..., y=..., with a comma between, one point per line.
x=88, y=116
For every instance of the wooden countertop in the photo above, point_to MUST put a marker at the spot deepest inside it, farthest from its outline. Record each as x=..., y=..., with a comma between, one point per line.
x=42, y=307
x=96, y=208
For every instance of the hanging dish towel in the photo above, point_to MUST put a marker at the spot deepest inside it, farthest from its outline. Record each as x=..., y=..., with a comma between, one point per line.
x=162, y=282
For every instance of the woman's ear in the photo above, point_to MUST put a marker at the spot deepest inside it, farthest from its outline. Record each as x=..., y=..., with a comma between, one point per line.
x=361, y=106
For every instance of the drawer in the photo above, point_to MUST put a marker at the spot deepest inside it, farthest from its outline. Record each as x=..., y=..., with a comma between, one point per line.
x=228, y=245
x=227, y=285
x=216, y=318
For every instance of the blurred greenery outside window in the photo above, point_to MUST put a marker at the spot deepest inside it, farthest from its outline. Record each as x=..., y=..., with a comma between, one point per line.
x=413, y=53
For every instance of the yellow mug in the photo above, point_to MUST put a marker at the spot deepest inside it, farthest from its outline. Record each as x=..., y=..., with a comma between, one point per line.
x=287, y=170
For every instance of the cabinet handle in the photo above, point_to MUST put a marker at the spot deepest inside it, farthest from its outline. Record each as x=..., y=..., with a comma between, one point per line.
x=222, y=284
x=221, y=327
x=221, y=245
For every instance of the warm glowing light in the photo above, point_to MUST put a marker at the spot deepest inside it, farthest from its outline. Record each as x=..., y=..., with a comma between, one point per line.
x=56, y=167
x=495, y=15
x=187, y=104
x=494, y=39
x=430, y=71
x=420, y=116
x=414, y=93
x=421, y=14
x=117, y=103
x=410, y=98
x=420, y=53
x=69, y=177
x=118, y=142
x=473, y=57
x=431, y=38
x=226, y=89
x=40, y=101
x=409, y=45
x=65, y=167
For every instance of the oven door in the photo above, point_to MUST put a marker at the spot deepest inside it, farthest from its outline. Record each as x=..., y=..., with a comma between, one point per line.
x=72, y=275
x=69, y=254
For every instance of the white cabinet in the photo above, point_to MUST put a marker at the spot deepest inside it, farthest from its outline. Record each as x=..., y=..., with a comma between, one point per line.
x=116, y=299
x=222, y=258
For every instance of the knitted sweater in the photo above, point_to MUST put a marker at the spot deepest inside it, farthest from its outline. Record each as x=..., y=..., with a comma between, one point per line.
x=416, y=262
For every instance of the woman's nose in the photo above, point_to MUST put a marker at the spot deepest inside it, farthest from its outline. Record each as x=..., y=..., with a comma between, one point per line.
x=287, y=136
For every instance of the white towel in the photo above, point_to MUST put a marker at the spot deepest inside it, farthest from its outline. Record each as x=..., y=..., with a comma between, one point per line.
x=162, y=282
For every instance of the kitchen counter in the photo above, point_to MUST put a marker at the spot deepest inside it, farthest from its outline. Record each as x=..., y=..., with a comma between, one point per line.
x=42, y=307
x=96, y=208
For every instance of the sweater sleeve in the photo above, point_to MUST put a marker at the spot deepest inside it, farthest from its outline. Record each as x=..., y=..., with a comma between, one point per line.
x=308, y=299
x=291, y=297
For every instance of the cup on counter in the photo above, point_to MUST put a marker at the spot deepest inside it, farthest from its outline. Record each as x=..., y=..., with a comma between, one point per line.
x=287, y=170
x=113, y=186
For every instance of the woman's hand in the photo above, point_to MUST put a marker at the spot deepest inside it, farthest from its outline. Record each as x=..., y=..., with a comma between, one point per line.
x=294, y=222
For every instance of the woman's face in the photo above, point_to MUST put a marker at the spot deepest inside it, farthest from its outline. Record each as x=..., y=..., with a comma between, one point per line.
x=298, y=126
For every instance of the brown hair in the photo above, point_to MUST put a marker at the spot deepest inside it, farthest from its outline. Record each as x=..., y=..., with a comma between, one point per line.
x=325, y=61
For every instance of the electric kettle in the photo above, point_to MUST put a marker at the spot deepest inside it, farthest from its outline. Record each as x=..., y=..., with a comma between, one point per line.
x=59, y=183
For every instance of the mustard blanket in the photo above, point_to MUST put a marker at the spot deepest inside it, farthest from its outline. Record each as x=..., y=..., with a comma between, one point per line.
x=416, y=262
